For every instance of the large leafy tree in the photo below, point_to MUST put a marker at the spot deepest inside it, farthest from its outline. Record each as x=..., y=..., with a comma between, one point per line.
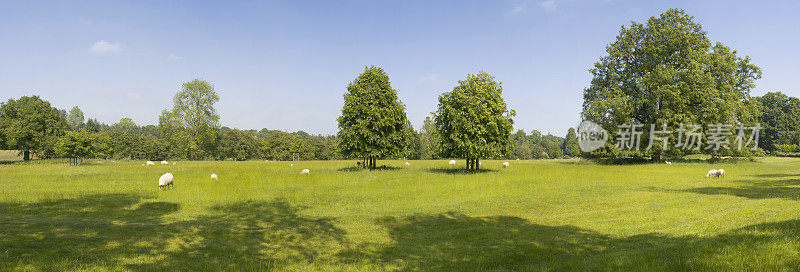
x=81, y=144
x=429, y=140
x=780, y=117
x=473, y=121
x=667, y=71
x=570, y=144
x=373, y=122
x=30, y=124
x=239, y=145
x=193, y=120
x=75, y=118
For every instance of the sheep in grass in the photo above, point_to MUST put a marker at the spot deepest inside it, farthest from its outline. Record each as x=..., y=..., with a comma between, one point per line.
x=407, y=164
x=150, y=163
x=165, y=180
x=720, y=173
x=174, y=163
x=213, y=176
x=668, y=163
x=452, y=162
x=305, y=172
x=164, y=162
x=506, y=164
x=711, y=173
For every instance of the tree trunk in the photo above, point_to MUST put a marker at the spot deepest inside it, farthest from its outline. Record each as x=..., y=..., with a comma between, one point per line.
x=26, y=155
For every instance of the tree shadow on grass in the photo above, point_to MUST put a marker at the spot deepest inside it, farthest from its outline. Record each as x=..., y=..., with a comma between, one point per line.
x=123, y=232
x=460, y=171
x=379, y=168
x=786, y=188
x=456, y=242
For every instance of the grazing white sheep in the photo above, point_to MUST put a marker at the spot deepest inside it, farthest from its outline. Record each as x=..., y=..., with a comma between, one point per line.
x=150, y=163
x=517, y=159
x=174, y=163
x=452, y=162
x=292, y=165
x=164, y=162
x=480, y=163
x=165, y=180
x=407, y=164
x=668, y=163
x=143, y=164
x=720, y=173
x=505, y=164
x=213, y=176
x=711, y=173
x=305, y=172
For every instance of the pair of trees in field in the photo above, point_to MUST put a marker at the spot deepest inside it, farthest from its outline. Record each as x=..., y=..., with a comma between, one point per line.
x=472, y=121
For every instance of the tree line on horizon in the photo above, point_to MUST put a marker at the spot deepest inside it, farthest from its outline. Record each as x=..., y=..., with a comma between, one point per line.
x=664, y=71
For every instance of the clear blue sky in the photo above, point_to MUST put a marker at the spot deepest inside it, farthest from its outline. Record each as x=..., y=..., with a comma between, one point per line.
x=285, y=64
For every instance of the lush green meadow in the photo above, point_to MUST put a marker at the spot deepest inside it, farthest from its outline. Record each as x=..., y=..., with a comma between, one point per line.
x=535, y=215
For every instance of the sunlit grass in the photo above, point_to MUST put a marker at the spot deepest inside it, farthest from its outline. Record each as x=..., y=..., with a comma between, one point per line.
x=535, y=215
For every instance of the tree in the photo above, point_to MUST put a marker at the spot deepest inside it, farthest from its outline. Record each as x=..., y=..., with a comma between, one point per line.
x=429, y=140
x=125, y=139
x=30, y=124
x=570, y=144
x=92, y=125
x=668, y=72
x=239, y=145
x=75, y=118
x=193, y=110
x=373, y=120
x=780, y=118
x=77, y=145
x=473, y=120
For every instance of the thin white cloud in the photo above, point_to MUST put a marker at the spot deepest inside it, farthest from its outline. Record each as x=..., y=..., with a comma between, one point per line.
x=133, y=96
x=103, y=47
x=548, y=5
x=428, y=78
x=518, y=8
x=174, y=57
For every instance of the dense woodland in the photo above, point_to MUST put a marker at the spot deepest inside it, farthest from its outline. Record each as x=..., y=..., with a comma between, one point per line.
x=127, y=140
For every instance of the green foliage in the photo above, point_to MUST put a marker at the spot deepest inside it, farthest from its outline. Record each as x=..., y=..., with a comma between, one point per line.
x=30, y=124
x=75, y=118
x=780, y=118
x=570, y=145
x=83, y=144
x=239, y=145
x=473, y=119
x=667, y=71
x=373, y=121
x=193, y=122
x=429, y=140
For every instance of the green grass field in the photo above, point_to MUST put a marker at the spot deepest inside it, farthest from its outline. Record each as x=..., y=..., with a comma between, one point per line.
x=534, y=216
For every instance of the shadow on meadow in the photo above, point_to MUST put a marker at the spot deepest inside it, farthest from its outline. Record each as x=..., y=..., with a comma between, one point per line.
x=127, y=232
x=786, y=186
x=456, y=242
x=120, y=231
x=359, y=168
x=461, y=170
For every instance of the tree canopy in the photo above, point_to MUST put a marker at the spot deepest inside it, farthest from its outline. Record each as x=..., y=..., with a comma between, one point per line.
x=30, y=124
x=780, y=117
x=373, y=121
x=193, y=122
x=667, y=71
x=75, y=118
x=473, y=121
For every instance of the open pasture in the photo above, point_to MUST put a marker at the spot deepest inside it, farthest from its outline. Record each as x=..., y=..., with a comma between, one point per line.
x=533, y=216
